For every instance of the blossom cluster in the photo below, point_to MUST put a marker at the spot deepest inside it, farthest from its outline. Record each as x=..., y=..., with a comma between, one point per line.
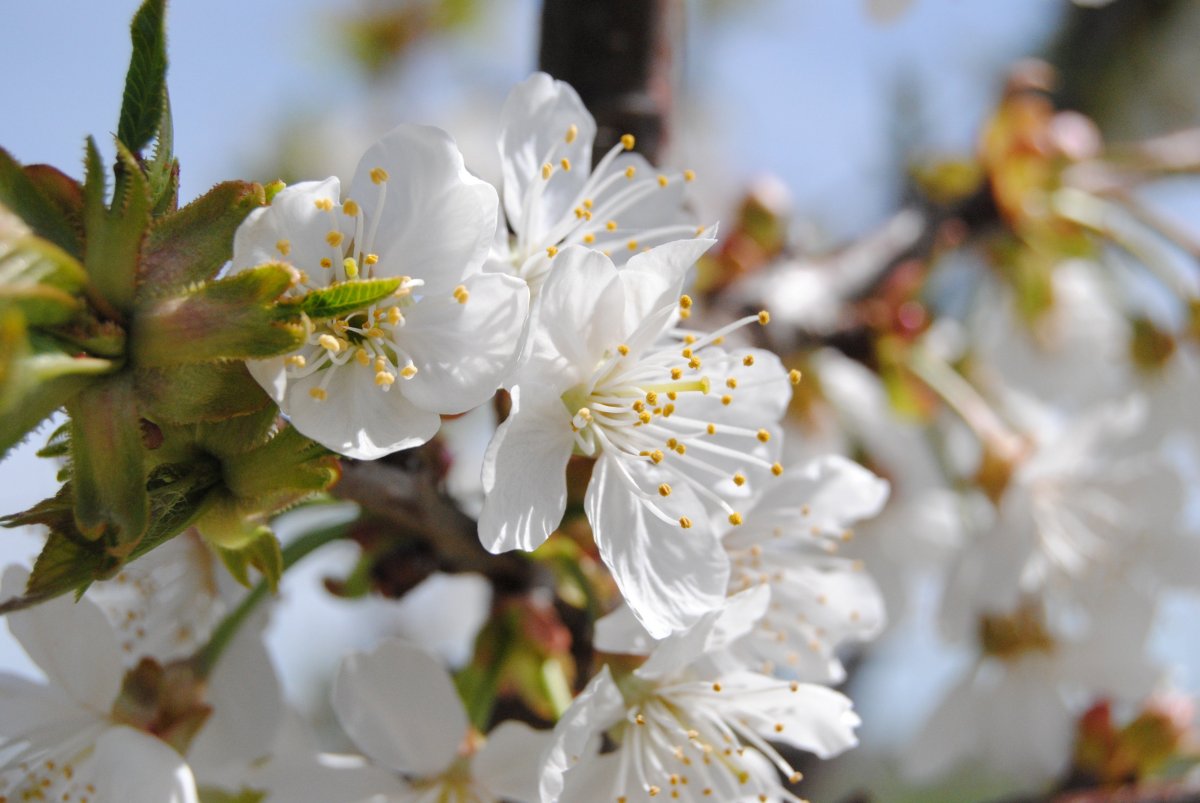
x=568, y=290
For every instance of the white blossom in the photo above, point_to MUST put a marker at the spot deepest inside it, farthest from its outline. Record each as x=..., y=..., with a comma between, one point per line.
x=378, y=380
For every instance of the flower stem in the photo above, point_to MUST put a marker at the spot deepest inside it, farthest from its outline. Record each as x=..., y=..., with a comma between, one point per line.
x=208, y=655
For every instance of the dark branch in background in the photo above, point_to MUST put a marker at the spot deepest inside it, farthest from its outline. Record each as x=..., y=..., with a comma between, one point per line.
x=618, y=54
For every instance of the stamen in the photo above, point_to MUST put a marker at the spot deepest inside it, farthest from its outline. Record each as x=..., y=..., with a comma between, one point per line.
x=572, y=133
x=378, y=175
x=284, y=247
x=628, y=141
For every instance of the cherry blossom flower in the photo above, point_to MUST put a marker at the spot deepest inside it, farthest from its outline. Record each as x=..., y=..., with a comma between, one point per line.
x=553, y=197
x=690, y=732
x=681, y=429
x=399, y=706
x=378, y=380
x=59, y=740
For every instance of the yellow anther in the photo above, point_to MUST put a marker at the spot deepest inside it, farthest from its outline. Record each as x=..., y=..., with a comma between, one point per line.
x=739, y=479
x=689, y=175
x=681, y=448
x=303, y=277
x=748, y=360
x=731, y=382
x=461, y=294
x=672, y=443
x=394, y=315
x=685, y=302
x=351, y=267
x=381, y=364
x=694, y=363
x=351, y=207
x=726, y=400
x=796, y=777
x=764, y=317
x=376, y=332
x=716, y=687
x=676, y=373
x=663, y=180
x=776, y=469
x=664, y=490
x=587, y=203
x=334, y=238
x=628, y=141
x=735, y=518
x=566, y=163
x=611, y=225
x=324, y=204
x=779, y=727
x=589, y=238
x=318, y=393
x=547, y=170
x=794, y=376
x=623, y=350
x=685, y=313
x=712, y=429
x=572, y=132
x=632, y=245
x=551, y=251
x=763, y=436
x=645, y=417
x=330, y=343
x=371, y=259
x=638, y=406
x=326, y=262
x=385, y=379
x=378, y=175
x=284, y=247
x=362, y=357
x=685, y=522
x=651, y=397
x=686, y=353
x=639, y=719
x=630, y=171
x=408, y=371
x=656, y=456
x=296, y=361
x=670, y=408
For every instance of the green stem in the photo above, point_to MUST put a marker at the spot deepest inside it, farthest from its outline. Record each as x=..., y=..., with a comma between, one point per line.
x=208, y=655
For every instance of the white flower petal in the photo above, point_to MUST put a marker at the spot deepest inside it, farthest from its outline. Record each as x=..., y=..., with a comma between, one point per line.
x=437, y=220
x=621, y=632
x=357, y=418
x=654, y=279
x=577, y=735
x=524, y=475
x=462, y=352
x=670, y=576
x=323, y=778
x=715, y=631
x=132, y=767
x=59, y=634
x=507, y=766
x=400, y=708
x=294, y=224
x=534, y=123
x=580, y=315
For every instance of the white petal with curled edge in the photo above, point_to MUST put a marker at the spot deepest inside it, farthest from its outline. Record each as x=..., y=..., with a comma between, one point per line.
x=670, y=576
x=524, y=475
x=400, y=708
x=580, y=315
x=357, y=418
x=293, y=223
x=507, y=766
x=133, y=767
x=72, y=642
x=463, y=352
x=654, y=279
x=437, y=221
x=533, y=128
x=576, y=737
x=247, y=707
x=714, y=632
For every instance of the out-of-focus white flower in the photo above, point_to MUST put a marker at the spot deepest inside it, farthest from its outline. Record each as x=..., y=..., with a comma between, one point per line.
x=1083, y=511
x=1015, y=710
x=689, y=731
x=377, y=380
x=400, y=707
x=681, y=431
x=554, y=198
x=59, y=739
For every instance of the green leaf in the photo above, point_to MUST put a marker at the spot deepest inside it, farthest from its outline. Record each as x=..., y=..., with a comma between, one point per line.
x=162, y=171
x=235, y=318
x=37, y=277
x=109, y=468
x=27, y=201
x=192, y=244
x=145, y=83
x=59, y=442
x=189, y=394
x=287, y=463
x=345, y=297
x=114, y=237
x=63, y=191
x=263, y=553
